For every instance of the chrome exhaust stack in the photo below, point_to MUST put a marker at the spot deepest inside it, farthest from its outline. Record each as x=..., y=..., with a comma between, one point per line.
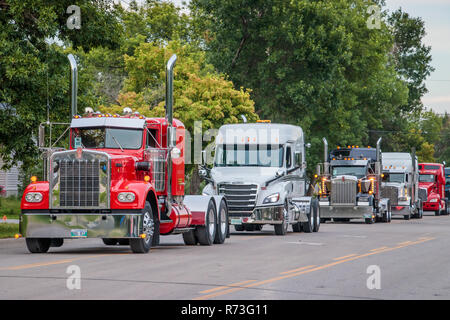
x=326, y=164
x=74, y=73
x=171, y=133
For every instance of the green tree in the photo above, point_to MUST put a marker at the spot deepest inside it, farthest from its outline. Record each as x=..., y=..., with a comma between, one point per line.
x=34, y=71
x=312, y=63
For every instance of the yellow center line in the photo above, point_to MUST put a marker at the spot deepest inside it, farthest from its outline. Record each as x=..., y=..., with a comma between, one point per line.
x=298, y=269
x=381, y=248
x=348, y=256
x=291, y=275
x=404, y=242
x=228, y=286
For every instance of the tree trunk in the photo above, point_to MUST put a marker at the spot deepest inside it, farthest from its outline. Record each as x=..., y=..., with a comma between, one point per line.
x=194, y=187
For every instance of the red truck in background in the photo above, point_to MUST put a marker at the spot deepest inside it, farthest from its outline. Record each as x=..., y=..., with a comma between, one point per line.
x=121, y=180
x=432, y=178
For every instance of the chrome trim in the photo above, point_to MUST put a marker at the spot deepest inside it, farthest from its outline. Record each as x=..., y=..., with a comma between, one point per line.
x=97, y=225
x=104, y=180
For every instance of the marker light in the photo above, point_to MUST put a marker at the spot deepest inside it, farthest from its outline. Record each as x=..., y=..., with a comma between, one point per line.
x=33, y=179
x=147, y=178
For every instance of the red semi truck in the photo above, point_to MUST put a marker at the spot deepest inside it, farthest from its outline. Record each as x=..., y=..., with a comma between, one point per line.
x=122, y=180
x=432, y=178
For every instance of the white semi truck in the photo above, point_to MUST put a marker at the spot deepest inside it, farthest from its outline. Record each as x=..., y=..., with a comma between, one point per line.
x=400, y=184
x=260, y=169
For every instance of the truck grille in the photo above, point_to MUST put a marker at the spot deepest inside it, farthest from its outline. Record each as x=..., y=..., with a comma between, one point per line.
x=391, y=193
x=343, y=192
x=241, y=198
x=79, y=183
x=79, y=180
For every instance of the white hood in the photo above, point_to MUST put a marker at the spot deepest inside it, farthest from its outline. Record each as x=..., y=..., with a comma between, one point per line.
x=257, y=175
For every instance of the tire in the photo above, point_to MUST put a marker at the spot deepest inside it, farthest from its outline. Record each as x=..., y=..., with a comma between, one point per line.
x=189, y=238
x=239, y=227
x=281, y=229
x=437, y=213
x=124, y=242
x=308, y=227
x=258, y=227
x=56, y=242
x=38, y=245
x=207, y=233
x=109, y=241
x=222, y=223
x=407, y=216
x=316, y=211
x=139, y=245
x=297, y=227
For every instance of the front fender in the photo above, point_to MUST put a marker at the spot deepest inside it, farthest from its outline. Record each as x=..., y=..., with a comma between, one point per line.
x=139, y=188
x=284, y=188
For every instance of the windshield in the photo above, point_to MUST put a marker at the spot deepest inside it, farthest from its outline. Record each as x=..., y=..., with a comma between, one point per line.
x=394, y=177
x=357, y=171
x=249, y=155
x=107, y=138
x=427, y=178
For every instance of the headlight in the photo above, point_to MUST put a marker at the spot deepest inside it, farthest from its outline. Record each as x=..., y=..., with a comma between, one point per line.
x=33, y=197
x=272, y=198
x=434, y=200
x=126, y=197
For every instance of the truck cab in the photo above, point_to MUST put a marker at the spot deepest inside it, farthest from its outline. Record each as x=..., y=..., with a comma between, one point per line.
x=121, y=180
x=400, y=183
x=260, y=169
x=349, y=185
x=432, y=178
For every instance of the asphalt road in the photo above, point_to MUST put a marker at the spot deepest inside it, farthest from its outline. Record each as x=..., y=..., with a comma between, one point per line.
x=412, y=258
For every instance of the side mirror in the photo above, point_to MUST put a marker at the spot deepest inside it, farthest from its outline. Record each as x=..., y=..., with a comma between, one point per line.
x=202, y=173
x=41, y=136
x=279, y=173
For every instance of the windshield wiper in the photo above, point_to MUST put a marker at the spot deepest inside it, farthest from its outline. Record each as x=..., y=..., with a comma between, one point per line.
x=115, y=140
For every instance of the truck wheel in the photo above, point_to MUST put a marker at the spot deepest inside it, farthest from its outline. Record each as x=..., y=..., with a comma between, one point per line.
x=281, y=229
x=308, y=227
x=56, y=242
x=189, y=238
x=222, y=223
x=206, y=234
x=239, y=227
x=297, y=227
x=316, y=211
x=142, y=245
x=38, y=245
x=437, y=213
x=109, y=241
x=407, y=216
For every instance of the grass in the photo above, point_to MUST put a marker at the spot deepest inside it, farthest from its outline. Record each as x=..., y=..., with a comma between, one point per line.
x=8, y=230
x=10, y=207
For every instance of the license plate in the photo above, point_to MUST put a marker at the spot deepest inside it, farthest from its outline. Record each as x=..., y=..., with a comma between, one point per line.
x=236, y=221
x=78, y=233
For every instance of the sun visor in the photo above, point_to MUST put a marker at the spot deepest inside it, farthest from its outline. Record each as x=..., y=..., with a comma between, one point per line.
x=108, y=122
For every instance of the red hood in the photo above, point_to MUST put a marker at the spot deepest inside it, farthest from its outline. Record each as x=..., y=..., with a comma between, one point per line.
x=430, y=186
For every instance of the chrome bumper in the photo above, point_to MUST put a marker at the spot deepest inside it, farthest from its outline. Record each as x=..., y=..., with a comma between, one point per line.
x=361, y=211
x=270, y=215
x=49, y=225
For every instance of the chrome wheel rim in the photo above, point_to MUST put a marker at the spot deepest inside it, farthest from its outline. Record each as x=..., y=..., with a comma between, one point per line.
x=211, y=222
x=148, y=226
x=223, y=222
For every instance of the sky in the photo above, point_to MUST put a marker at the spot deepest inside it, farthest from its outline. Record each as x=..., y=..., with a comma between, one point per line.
x=436, y=15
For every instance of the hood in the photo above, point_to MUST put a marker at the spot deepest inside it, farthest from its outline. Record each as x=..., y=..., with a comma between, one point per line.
x=430, y=186
x=258, y=175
